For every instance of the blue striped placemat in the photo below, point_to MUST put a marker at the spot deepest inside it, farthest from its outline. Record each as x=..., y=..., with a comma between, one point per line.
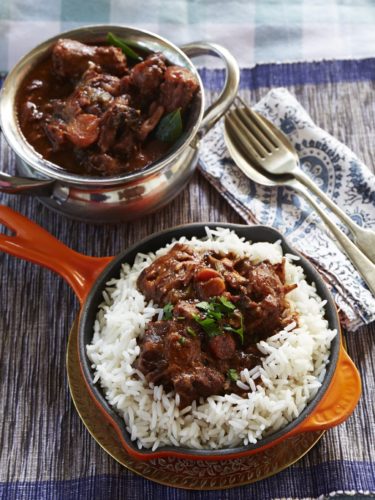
x=57, y=459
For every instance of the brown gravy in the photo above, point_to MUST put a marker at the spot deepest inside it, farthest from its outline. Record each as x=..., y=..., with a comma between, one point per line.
x=98, y=122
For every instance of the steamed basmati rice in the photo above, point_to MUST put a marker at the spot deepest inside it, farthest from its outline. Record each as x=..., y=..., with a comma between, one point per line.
x=291, y=372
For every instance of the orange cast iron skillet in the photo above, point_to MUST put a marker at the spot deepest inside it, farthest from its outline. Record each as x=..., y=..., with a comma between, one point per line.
x=333, y=403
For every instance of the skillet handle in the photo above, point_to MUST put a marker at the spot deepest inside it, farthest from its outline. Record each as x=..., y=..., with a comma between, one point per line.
x=340, y=399
x=31, y=242
x=232, y=78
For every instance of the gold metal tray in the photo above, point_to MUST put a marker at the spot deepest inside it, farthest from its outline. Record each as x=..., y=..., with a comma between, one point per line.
x=188, y=474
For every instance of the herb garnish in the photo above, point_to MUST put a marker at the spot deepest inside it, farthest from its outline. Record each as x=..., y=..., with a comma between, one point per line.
x=191, y=331
x=112, y=39
x=227, y=304
x=239, y=330
x=211, y=309
x=203, y=306
x=232, y=375
x=209, y=325
x=169, y=128
x=182, y=340
x=167, y=311
x=213, y=312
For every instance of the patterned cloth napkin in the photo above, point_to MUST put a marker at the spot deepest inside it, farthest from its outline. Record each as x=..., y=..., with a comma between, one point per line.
x=337, y=171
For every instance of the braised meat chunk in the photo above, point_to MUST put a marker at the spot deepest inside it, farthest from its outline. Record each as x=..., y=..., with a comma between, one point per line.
x=178, y=88
x=147, y=75
x=119, y=118
x=77, y=120
x=168, y=278
x=165, y=348
x=215, y=310
x=263, y=297
x=199, y=381
x=91, y=111
x=71, y=58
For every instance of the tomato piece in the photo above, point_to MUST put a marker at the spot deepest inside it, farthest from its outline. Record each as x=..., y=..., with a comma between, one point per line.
x=213, y=287
x=83, y=130
x=206, y=274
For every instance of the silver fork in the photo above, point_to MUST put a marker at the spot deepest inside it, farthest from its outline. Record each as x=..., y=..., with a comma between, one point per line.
x=271, y=149
x=245, y=161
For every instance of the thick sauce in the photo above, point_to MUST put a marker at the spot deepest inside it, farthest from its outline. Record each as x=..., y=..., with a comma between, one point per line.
x=216, y=308
x=85, y=109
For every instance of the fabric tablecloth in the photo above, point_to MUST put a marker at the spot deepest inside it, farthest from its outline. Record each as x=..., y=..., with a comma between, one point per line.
x=254, y=30
x=45, y=451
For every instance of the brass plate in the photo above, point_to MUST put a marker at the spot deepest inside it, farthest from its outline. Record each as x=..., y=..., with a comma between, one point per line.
x=179, y=473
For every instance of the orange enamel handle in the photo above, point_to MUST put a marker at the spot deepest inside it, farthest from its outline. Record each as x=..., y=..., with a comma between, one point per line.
x=31, y=242
x=340, y=399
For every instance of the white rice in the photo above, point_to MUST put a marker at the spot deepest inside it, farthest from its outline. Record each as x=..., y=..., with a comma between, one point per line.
x=291, y=372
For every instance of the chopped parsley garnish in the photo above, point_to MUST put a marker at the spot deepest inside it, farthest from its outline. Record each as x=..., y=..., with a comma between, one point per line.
x=227, y=304
x=209, y=325
x=210, y=309
x=167, y=311
x=203, y=306
x=232, y=375
x=238, y=331
x=182, y=340
x=213, y=311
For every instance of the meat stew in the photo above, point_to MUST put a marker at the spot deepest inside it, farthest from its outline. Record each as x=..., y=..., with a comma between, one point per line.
x=215, y=309
x=92, y=111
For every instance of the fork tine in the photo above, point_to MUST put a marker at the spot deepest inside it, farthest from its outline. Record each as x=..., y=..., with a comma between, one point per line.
x=258, y=123
x=247, y=120
x=248, y=140
x=263, y=145
x=245, y=145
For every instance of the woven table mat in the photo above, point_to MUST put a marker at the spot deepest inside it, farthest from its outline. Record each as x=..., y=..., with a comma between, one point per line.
x=45, y=451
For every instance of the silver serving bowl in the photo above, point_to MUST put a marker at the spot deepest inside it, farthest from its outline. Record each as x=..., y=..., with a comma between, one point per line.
x=123, y=197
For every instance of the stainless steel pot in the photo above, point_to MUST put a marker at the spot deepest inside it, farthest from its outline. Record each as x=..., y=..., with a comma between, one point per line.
x=125, y=197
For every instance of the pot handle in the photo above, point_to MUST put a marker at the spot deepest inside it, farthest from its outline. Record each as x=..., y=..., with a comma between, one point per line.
x=25, y=185
x=216, y=110
x=31, y=242
x=340, y=399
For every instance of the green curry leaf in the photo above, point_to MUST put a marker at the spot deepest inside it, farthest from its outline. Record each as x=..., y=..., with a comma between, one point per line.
x=112, y=39
x=169, y=128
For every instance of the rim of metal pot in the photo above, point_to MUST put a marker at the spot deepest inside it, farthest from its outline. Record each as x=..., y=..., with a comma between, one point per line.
x=15, y=138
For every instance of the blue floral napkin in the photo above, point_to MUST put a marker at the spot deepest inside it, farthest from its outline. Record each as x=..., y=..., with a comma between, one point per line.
x=337, y=171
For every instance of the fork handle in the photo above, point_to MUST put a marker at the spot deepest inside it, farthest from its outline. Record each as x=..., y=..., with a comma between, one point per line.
x=364, y=238
x=365, y=267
